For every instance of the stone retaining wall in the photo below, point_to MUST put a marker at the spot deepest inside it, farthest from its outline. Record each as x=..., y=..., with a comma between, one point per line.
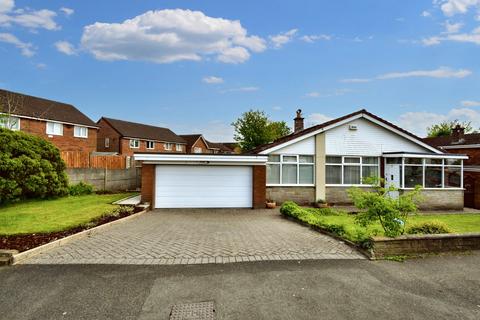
x=301, y=195
x=106, y=179
x=421, y=244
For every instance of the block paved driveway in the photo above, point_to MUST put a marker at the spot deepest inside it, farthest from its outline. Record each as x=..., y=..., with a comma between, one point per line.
x=193, y=236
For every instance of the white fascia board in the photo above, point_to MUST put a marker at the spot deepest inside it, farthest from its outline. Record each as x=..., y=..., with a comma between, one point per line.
x=425, y=156
x=50, y=120
x=463, y=146
x=199, y=159
x=313, y=133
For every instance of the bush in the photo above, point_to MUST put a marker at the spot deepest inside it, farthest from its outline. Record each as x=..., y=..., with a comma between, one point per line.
x=80, y=189
x=30, y=167
x=428, y=227
x=120, y=210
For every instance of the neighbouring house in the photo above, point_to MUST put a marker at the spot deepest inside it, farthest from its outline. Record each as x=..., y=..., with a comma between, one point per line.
x=60, y=123
x=312, y=164
x=469, y=144
x=127, y=138
x=322, y=162
x=196, y=143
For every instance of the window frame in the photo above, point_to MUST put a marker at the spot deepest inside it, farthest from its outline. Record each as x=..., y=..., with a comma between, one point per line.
x=54, y=124
x=6, y=121
x=178, y=147
x=168, y=146
x=344, y=164
x=132, y=143
x=150, y=142
x=197, y=150
x=107, y=142
x=80, y=136
x=298, y=165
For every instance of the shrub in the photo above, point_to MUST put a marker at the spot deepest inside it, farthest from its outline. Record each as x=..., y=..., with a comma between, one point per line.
x=120, y=210
x=30, y=167
x=428, y=227
x=80, y=189
x=288, y=208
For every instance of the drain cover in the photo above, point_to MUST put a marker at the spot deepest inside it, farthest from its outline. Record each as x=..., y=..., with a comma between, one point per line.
x=193, y=311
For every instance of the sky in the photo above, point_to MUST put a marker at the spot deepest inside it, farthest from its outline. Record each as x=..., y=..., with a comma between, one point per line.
x=196, y=66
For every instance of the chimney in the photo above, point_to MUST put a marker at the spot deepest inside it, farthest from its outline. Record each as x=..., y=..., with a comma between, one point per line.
x=298, y=121
x=457, y=133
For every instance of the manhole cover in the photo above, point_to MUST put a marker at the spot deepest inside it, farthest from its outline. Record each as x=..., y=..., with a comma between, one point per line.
x=193, y=311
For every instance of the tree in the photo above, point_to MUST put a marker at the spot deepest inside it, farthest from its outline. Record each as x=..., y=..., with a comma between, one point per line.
x=254, y=128
x=445, y=128
x=10, y=103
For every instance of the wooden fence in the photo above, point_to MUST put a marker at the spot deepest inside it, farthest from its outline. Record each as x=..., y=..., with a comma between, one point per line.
x=78, y=159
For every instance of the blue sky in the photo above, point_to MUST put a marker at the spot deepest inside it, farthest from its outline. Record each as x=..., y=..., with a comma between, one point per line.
x=195, y=66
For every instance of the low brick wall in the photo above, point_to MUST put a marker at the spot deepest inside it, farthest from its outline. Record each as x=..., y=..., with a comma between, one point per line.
x=301, y=195
x=106, y=179
x=420, y=244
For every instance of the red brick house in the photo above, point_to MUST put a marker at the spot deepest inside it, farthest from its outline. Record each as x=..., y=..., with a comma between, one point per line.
x=469, y=144
x=127, y=138
x=60, y=123
x=196, y=143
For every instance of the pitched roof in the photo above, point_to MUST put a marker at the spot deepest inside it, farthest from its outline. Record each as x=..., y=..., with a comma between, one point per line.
x=143, y=131
x=34, y=107
x=332, y=122
x=219, y=145
x=471, y=138
x=190, y=138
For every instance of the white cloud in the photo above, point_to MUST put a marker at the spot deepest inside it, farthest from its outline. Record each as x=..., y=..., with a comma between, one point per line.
x=472, y=37
x=241, y=89
x=6, y=5
x=41, y=66
x=313, y=94
x=65, y=47
x=315, y=37
x=417, y=122
x=316, y=118
x=283, y=38
x=212, y=80
x=26, y=48
x=67, y=11
x=453, y=7
x=277, y=108
x=28, y=18
x=442, y=72
x=470, y=103
x=167, y=36
x=426, y=14
x=333, y=93
x=452, y=27
x=355, y=80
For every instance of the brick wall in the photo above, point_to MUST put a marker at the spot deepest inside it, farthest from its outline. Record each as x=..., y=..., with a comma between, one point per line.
x=158, y=147
x=259, y=181
x=200, y=144
x=148, y=184
x=442, y=199
x=66, y=142
x=106, y=131
x=472, y=153
x=301, y=195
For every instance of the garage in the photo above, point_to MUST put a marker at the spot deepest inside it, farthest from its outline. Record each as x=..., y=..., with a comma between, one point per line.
x=184, y=186
x=203, y=181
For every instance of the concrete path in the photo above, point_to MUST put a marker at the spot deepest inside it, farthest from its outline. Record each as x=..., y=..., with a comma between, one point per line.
x=131, y=201
x=199, y=237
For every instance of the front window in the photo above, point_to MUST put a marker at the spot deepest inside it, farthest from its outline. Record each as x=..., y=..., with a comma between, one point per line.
x=55, y=128
x=134, y=143
x=80, y=132
x=107, y=142
x=12, y=123
x=150, y=144
x=168, y=146
x=178, y=147
x=197, y=150
x=348, y=170
x=290, y=170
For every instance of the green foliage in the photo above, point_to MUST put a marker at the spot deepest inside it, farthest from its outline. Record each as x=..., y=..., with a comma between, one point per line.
x=254, y=128
x=30, y=167
x=379, y=206
x=428, y=227
x=80, y=189
x=116, y=212
x=445, y=128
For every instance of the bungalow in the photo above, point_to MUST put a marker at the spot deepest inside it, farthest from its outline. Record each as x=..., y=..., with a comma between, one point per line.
x=127, y=138
x=60, y=123
x=312, y=164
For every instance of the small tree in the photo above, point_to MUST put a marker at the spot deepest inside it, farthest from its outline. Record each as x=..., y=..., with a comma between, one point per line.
x=10, y=103
x=379, y=206
x=445, y=128
x=254, y=128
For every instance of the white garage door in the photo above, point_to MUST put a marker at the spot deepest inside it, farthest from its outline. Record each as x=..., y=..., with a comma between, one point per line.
x=203, y=186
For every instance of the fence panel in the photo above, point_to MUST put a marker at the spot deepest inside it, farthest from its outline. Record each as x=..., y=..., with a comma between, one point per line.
x=78, y=159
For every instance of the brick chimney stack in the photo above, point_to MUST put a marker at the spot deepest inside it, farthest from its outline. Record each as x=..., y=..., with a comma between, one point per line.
x=298, y=121
x=457, y=133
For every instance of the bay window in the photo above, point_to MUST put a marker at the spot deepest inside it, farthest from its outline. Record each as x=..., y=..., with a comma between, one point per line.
x=349, y=170
x=290, y=170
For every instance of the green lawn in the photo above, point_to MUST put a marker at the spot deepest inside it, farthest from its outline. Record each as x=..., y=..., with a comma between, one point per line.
x=42, y=216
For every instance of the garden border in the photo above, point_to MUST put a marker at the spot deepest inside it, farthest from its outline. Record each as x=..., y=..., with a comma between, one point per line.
x=19, y=257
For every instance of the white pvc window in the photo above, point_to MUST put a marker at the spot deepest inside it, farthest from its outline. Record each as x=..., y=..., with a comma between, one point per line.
x=80, y=132
x=12, y=123
x=197, y=150
x=54, y=128
x=290, y=170
x=179, y=147
x=350, y=170
x=134, y=143
x=150, y=144
x=107, y=142
x=168, y=146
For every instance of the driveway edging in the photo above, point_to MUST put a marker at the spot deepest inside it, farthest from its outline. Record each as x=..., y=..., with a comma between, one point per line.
x=19, y=257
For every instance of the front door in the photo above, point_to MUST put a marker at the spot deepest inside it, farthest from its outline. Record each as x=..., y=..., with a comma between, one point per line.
x=392, y=178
